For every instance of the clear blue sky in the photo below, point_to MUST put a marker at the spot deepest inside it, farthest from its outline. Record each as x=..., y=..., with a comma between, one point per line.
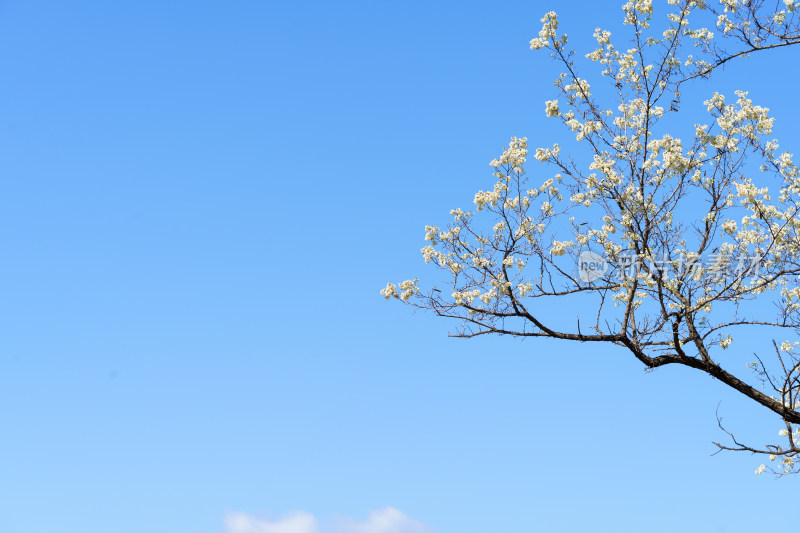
x=199, y=202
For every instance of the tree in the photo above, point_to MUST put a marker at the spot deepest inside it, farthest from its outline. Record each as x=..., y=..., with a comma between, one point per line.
x=670, y=247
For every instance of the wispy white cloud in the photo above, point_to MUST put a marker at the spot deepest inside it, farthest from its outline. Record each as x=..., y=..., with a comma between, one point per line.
x=297, y=522
x=387, y=520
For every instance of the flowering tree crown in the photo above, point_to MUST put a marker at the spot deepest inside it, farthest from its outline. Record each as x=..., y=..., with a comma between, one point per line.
x=682, y=233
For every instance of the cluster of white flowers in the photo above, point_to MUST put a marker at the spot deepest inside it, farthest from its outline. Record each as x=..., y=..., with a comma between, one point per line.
x=729, y=226
x=788, y=459
x=725, y=342
x=560, y=247
x=596, y=55
x=634, y=8
x=488, y=296
x=544, y=154
x=730, y=5
x=514, y=155
x=389, y=291
x=547, y=33
x=409, y=288
x=748, y=120
x=608, y=167
x=672, y=158
x=429, y=253
x=702, y=34
x=789, y=170
x=791, y=298
x=465, y=297
x=603, y=37
x=715, y=102
x=579, y=89
x=481, y=262
x=524, y=289
x=725, y=23
x=491, y=198
x=633, y=116
x=431, y=233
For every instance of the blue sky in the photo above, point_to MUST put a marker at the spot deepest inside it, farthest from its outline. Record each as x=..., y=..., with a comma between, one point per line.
x=199, y=203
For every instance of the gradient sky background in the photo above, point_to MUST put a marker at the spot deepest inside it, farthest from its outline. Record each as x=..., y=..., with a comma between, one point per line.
x=199, y=204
